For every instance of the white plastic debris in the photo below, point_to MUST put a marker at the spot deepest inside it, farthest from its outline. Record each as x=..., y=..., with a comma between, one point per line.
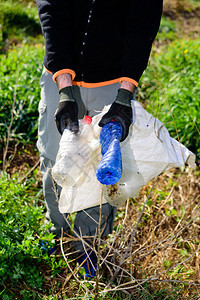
x=147, y=152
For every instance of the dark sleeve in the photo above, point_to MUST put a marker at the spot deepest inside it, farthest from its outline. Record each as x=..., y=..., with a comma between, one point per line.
x=142, y=25
x=56, y=21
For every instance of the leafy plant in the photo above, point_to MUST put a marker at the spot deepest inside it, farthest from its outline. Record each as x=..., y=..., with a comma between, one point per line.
x=21, y=227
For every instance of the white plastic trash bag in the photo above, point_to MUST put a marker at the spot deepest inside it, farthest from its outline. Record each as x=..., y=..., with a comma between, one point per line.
x=147, y=152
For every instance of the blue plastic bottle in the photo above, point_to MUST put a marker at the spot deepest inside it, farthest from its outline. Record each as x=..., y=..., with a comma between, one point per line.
x=109, y=170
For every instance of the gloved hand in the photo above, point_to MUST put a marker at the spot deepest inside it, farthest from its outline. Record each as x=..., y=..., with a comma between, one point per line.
x=120, y=111
x=66, y=115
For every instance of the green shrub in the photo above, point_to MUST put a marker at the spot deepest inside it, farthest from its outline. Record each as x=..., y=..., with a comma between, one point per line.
x=171, y=86
x=21, y=227
x=20, y=91
x=19, y=223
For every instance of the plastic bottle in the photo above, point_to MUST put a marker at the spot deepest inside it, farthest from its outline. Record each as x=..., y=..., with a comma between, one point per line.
x=109, y=170
x=74, y=152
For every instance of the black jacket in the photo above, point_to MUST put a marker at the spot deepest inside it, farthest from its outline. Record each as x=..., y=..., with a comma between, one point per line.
x=100, y=40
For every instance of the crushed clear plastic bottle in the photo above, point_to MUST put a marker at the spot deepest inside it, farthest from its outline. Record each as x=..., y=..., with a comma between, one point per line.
x=109, y=170
x=74, y=152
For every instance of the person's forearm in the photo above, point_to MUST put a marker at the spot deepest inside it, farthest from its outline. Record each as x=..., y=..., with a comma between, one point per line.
x=64, y=80
x=128, y=86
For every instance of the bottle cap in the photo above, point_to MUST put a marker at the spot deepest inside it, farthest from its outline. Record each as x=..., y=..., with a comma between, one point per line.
x=87, y=119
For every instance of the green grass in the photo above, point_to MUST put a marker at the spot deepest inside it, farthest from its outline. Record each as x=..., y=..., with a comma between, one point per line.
x=20, y=71
x=170, y=87
x=19, y=22
x=167, y=31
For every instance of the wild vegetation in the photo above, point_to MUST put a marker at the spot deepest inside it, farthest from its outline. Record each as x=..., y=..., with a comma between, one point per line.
x=153, y=252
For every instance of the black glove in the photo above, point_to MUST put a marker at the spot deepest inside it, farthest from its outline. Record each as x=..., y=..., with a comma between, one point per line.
x=120, y=111
x=66, y=115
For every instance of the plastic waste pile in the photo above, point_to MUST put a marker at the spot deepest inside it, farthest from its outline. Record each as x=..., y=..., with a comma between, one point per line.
x=88, y=172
